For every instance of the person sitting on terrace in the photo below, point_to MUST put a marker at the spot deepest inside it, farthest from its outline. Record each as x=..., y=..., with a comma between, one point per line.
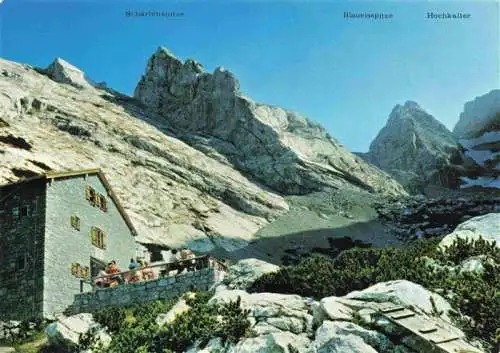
x=192, y=264
x=114, y=280
x=101, y=281
x=133, y=264
x=170, y=259
x=147, y=272
x=187, y=254
x=132, y=276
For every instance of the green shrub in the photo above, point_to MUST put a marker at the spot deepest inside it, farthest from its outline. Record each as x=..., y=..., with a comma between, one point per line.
x=477, y=296
x=201, y=323
x=113, y=318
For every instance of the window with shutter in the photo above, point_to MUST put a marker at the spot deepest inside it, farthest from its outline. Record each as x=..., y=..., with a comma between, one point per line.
x=93, y=235
x=75, y=268
x=104, y=203
x=84, y=272
x=88, y=192
x=104, y=241
x=75, y=222
x=98, y=238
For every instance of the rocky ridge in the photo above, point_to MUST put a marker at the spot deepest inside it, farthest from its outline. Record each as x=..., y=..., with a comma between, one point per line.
x=414, y=147
x=195, y=165
x=285, y=151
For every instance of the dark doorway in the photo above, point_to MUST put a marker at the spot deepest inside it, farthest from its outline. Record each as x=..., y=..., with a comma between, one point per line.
x=96, y=266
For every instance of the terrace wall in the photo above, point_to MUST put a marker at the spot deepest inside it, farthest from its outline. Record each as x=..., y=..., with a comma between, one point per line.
x=141, y=292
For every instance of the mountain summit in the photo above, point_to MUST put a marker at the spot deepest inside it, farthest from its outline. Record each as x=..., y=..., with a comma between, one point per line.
x=412, y=146
x=285, y=151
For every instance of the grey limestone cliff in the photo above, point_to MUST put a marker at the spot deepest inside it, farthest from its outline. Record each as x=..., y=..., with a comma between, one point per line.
x=413, y=146
x=283, y=150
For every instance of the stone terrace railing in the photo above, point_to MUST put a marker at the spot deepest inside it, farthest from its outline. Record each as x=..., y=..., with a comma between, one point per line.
x=161, y=288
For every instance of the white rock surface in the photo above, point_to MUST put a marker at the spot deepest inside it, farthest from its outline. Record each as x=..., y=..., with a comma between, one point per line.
x=246, y=271
x=67, y=329
x=405, y=293
x=334, y=310
x=271, y=312
x=273, y=343
x=486, y=226
x=333, y=337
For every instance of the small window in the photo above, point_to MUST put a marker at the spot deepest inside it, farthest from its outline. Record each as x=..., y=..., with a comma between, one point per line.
x=90, y=195
x=15, y=212
x=75, y=268
x=79, y=271
x=84, y=272
x=75, y=222
x=103, y=205
x=98, y=238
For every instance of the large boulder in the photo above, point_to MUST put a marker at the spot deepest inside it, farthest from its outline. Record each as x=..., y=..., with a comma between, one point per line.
x=404, y=293
x=67, y=330
x=272, y=312
x=242, y=274
x=282, y=342
x=486, y=227
x=348, y=337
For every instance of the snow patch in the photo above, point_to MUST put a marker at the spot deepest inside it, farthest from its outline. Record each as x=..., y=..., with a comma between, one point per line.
x=488, y=137
x=481, y=181
x=480, y=157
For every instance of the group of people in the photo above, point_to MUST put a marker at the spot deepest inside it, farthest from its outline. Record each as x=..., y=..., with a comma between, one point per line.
x=139, y=270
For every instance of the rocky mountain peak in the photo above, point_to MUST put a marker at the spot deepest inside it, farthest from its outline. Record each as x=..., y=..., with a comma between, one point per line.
x=270, y=143
x=63, y=72
x=411, y=142
x=412, y=105
x=408, y=111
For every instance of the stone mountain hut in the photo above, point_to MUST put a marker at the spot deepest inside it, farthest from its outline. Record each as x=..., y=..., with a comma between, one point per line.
x=56, y=229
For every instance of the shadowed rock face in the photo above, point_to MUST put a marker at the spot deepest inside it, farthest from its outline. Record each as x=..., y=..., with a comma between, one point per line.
x=200, y=165
x=477, y=114
x=413, y=146
x=283, y=150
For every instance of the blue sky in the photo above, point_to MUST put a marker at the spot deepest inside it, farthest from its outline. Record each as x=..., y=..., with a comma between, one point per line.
x=303, y=56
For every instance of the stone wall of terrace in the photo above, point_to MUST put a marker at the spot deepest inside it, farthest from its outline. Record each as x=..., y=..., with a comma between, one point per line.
x=141, y=292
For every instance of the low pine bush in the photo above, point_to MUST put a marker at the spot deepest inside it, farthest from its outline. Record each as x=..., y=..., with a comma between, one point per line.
x=475, y=296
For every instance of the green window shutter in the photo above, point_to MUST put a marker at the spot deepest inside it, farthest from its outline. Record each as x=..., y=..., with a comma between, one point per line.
x=88, y=190
x=93, y=236
x=104, y=241
x=75, y=268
